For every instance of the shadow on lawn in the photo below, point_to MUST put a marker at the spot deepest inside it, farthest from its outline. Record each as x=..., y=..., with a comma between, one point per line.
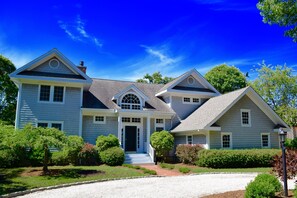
x=7, y=185
x=70, y=173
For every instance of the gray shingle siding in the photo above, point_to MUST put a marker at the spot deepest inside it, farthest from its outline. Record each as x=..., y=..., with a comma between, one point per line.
x=197, y=139
x=62, y=69
x=182, y=110
x=195, y=84
x=244, y=137
x=91, y=131
x=31, y=110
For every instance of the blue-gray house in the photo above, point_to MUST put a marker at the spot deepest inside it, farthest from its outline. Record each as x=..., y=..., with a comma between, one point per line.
x=53, y=92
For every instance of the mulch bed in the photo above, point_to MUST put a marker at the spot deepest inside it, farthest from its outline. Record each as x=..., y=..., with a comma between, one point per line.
x=240, y=194
x=62, y=172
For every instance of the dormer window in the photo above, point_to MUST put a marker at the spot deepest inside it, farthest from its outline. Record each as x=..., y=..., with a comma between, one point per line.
x=131, y=101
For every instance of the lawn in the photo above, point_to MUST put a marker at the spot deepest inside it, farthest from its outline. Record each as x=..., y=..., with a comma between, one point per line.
x=196, y=169
x=17, y=179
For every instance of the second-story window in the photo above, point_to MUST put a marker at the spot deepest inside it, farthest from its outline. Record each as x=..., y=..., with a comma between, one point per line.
x=49, y=93
x=131, y=101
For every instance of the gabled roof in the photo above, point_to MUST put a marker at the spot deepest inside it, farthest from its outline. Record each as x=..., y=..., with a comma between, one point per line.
x=26, y=72
x=212, y=110
x=131, y=87
x=171, y=85
x=102, y=92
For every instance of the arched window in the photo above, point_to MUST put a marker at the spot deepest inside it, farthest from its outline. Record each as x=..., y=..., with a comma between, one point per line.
x=130, y=101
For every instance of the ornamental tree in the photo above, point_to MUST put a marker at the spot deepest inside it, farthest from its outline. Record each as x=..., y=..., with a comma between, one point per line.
x=162, y=142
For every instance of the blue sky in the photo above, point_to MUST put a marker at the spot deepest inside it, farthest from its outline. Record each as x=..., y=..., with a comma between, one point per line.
x=127, y=39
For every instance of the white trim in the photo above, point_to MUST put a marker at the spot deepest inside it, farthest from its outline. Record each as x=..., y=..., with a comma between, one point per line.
x=187, y=140
x=214, y=128
x=80, y=113
x=18, y=108
x=54, y=67
x=51, y=96
x=138, y=126
x=148, y=132
x=269, y=141
x=50, y=122
x=207, y=145
x=140, y=95
x=161, y=125
x=249, y=114
x=99, y=122
x=231, y=141
x=133, y=93
x=191, y=101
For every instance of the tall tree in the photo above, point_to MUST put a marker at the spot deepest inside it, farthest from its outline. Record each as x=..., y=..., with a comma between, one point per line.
x=226, y=78
x=155, y=78
x=278, y=87
x=8, y=91
x=281, y=12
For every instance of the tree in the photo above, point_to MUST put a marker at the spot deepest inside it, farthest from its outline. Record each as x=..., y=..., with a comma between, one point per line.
x=155, y=78
x=281, y=12
x=8, y=91
x=44, y=139
x=162, y=142
x=226, y=78
x=278, y=87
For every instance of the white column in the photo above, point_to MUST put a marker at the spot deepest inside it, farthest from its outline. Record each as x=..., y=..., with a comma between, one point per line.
x=80, y=112
x=207, y=140
x=120, y=130
x=148, y=132
x=17, y=116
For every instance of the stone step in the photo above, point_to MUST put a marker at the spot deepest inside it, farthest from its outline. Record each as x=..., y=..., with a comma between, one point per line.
x=138, y=158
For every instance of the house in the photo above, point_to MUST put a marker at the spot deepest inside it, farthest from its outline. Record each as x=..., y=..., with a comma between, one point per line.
x=53, y=92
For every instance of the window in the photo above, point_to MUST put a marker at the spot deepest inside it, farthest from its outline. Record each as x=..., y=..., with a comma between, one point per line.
x=189, y=139
x=136, y=120
x=245, y=117
x=49, y=93
x=131, y=101
x=159, y=124
x=44, y=93
x=265, y=140
x=190, y=80
x=226, y=139
x=187, y=100
x=51, y=124
x=99, y=120
x=125, y=119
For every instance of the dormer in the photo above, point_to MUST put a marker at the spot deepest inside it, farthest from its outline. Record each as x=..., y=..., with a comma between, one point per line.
x=190, y=84
x=130, y=98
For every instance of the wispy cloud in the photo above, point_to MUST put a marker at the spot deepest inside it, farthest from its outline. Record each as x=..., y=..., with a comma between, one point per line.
x=16, y=57
x=226, y=5
x=77, y=32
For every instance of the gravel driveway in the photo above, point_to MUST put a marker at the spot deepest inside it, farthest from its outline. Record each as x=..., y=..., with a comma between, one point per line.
x=177, y=186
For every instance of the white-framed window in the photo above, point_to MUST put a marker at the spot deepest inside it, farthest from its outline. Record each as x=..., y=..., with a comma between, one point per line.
x=226, y=140
x=51, y=94
x=99, y=119
x=50, y=124
x=130, y=101
x=133, y=120
x=265, y=140
x=159, y=124
x=189, y=139
x=245, y=117
x=136, y=120
x=188, y=100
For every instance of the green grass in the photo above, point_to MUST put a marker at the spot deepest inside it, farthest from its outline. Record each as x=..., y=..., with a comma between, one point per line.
x=184, y=170
x=12, y=180
x=167, y=166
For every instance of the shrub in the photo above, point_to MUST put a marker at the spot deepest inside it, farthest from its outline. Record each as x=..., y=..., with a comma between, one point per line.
x=114, y=156
x=36, y=156
x=187, y=153
x=295, y=192
x=264, y=186
x=167, y=166
x=73, y=146
x=291, y=159
x=59, y=158
x=236, y=158
x=162, y=142
x=184, y=170
x=105, y=142
x=291, y=143
x=88, y=155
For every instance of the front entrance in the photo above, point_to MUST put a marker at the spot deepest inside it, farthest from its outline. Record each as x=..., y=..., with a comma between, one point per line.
x=130, y=138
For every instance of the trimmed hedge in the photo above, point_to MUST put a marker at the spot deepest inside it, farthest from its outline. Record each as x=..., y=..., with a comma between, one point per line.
x=105, y=142
x=236, y=158
x=187, y=153
x=264, y=186
x=114, y=156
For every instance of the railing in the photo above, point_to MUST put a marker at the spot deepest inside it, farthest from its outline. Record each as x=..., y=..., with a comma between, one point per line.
x=152, y=154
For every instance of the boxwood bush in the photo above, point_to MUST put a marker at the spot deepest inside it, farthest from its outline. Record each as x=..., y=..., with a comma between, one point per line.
x=114, y=156
x=236, y=158
x=264, y=186
x=187, y=153
x=105, y=142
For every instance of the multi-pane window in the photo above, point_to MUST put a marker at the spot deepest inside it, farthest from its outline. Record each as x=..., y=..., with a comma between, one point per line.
x=136, y=120
x=49, y=93
x=265, y=140
x=159, y=121
x=130, y=101
x=50, y=124
x=44, y=93
x=187, y=99
x=226, y=140
x=99, y=119
x=196, y=100
x=58, y=94
x=189, y=139
x=245, y=117
x=125, y=119
x=159, y=124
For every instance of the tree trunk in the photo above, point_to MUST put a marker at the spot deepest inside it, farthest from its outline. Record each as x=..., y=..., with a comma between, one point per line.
x=45, y=160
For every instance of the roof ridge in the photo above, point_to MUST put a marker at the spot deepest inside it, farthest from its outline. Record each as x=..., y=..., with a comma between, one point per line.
x=105, y=79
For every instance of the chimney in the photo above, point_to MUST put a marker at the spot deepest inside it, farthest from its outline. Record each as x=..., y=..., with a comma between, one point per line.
x=82, y=67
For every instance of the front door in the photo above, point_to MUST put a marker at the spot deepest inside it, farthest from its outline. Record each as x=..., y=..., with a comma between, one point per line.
x=130, y=139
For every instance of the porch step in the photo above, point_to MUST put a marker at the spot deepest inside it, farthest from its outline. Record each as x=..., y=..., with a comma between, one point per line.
x=138, y=158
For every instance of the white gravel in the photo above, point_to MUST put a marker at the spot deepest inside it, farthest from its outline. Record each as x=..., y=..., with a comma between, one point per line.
x=178, y=186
